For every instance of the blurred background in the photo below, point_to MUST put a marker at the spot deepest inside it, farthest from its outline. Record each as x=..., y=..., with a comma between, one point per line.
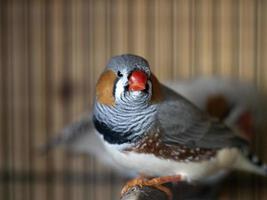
x=52, y=52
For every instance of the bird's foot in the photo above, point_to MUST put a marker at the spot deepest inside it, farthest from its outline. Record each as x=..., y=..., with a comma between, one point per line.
x=154, y=182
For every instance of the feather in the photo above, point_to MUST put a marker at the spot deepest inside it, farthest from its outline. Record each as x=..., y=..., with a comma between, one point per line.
x=184, y=124
x=104, y=88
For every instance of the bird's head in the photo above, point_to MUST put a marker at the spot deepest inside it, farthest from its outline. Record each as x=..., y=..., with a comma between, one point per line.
x=127, y=79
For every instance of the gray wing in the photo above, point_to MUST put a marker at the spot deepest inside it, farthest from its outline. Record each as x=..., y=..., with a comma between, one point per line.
x=80, y=136
x=185, y=124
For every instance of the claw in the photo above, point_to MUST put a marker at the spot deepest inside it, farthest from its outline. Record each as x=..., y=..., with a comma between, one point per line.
x=154, y=182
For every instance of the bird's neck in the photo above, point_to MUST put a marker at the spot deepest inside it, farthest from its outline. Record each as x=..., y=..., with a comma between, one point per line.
x=124, y=124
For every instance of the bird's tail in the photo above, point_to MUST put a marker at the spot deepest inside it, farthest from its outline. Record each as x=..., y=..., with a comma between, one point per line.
x=250, y=162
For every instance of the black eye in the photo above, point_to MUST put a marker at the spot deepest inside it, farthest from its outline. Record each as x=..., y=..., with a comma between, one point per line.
x=119, y=74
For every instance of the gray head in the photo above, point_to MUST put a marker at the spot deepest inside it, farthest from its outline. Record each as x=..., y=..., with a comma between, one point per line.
x=127, y=63
x=127, y=79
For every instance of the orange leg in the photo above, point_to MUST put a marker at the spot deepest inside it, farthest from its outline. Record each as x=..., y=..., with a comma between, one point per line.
x=154, y=182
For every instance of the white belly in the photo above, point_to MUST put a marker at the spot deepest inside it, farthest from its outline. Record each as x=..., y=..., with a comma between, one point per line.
x=151, y=165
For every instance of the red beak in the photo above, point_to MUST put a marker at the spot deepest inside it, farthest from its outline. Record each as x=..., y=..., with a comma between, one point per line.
x=137, y=81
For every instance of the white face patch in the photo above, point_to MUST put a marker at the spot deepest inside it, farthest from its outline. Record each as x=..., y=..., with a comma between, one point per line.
x=120, y=87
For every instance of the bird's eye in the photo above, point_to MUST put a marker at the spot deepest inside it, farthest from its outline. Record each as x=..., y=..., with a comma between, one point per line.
x=119, y=74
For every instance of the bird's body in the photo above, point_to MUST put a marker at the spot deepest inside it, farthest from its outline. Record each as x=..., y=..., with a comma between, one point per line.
x=142, y=126
x=148, y=128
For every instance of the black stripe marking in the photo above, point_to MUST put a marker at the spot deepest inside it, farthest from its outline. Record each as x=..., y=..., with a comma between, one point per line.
x=111, y=136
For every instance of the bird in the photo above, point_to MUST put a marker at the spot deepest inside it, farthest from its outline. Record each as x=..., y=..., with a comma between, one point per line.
x=226, y=99
x=148, y=128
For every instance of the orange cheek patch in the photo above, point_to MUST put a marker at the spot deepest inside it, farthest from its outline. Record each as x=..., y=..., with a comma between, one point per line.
x=104, y=88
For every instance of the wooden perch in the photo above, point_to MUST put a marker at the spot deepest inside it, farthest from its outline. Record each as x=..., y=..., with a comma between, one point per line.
x=181, y=191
